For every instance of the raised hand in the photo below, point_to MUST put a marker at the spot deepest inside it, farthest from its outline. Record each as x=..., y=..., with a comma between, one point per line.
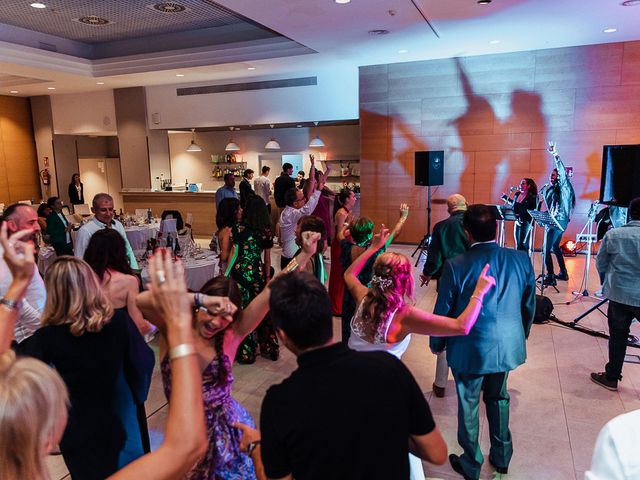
x=310, y=242
x=552, y=148
x=168, y=289
x=18, y=255
x=221, y=306
x=312, y=158
x=404, y=211
x=485, y=282
x=380, y=239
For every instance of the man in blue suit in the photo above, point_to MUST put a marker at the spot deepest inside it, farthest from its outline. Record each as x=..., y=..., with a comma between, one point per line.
x=482, y=360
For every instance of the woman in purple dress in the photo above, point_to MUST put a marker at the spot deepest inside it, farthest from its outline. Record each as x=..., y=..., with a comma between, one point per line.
x=219, y=327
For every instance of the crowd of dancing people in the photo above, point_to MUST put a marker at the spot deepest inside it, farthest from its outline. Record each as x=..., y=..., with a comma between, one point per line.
x=75, y=370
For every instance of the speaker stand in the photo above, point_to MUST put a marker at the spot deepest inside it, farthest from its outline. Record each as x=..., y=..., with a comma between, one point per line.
x=423, y=247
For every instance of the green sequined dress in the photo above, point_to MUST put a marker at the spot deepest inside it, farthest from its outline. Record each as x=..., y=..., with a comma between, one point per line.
x=249, y=271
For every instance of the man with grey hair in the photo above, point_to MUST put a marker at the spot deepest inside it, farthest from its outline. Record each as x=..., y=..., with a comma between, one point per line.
x=103, y=211
x=448, y=240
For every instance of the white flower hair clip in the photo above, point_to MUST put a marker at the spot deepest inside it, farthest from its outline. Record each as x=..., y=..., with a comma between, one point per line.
x=382, y=282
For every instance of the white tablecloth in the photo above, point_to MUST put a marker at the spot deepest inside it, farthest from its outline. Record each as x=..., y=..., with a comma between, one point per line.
x=197, y=271
x=139, y=235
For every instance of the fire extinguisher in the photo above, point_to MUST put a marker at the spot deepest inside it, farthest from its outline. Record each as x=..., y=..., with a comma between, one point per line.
x=45, y=176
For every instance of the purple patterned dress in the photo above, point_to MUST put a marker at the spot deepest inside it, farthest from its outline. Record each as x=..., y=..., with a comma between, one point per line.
x=223, y=460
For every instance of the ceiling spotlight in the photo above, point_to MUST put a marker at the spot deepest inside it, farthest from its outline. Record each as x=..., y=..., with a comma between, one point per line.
x=99, y=83
x=251, y=68
x=484, y=2
x=179, y=74
x=610, y=30
x=13, y=91
x=38, y=5
x=404, y=50
x=342, y=2
x=630, y=3
x=51, y=88
x=494, y=42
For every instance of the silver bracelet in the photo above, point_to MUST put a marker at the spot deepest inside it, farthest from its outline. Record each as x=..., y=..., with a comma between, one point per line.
x=182, y=350
x=478, y=298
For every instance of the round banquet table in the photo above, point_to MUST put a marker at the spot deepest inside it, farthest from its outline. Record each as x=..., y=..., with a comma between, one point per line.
x=139, y=234
x=197, y=270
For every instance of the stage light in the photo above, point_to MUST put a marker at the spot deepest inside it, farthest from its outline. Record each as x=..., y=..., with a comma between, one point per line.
x=569, y=247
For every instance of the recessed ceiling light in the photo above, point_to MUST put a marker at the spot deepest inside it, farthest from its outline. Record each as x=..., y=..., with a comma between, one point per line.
x=13, y=91
x=51, y=88
x=179, y=74
x=494, y=42
x=610, y=30
x=342, y=2
x=251, y=68
x=484, y=2
x=404, y=50
x=38, y=5
x=99, y=83
x=630, y=3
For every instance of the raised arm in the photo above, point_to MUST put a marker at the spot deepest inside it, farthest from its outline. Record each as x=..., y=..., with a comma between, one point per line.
x=185, y=440
x=404, y=213
x=310, y=184
x=19, y=257
x=422, y=322
x=356, y=288
x=562, y=172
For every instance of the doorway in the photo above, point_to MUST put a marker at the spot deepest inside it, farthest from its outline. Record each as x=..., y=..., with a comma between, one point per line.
x=101, y=174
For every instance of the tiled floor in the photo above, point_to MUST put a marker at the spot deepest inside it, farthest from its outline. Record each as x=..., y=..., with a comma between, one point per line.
x=556, y=411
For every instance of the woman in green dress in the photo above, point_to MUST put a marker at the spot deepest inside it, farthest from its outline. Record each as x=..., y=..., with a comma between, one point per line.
x=252, y=241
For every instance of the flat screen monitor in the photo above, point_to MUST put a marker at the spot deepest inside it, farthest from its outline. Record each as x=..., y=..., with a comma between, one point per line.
x=620, y=179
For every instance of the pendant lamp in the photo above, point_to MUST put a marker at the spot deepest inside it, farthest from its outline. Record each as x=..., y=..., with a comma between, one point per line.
x=194, y=147
x=232, y=146
x=272, y=144
x=316, y=142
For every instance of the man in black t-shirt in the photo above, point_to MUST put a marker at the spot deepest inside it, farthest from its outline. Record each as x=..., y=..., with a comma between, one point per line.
x=283, y=183
x=342, y=414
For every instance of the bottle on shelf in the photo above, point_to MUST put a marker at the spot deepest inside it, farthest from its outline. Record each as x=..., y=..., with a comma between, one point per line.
x=186, y=184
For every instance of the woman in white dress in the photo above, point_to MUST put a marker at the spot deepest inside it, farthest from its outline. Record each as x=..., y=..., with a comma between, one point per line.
x=385, y=319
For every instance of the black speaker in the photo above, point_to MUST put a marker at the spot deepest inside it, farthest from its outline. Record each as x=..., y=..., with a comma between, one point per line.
x=620, y=180
x=430, y=168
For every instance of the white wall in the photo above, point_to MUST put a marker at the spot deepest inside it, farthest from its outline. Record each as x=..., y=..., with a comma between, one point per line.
x=342, y=142
x=84, y=113
x=335, y=97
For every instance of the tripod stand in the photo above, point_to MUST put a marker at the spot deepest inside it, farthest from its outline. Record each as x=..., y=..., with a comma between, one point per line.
x=589, y=237
x=423, y=246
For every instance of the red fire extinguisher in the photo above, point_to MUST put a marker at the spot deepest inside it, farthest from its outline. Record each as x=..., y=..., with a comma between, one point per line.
x=45, y=176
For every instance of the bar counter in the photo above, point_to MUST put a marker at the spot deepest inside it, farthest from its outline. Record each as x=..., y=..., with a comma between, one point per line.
x=202, y=205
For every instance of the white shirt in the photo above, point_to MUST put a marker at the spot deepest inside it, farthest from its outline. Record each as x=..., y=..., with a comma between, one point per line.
x=32, y=305
x=617, y=452
x=288, y=221
x=262, y=187
x=88, y=229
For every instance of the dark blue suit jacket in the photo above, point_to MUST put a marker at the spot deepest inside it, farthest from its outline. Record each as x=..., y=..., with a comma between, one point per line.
x=496, y=342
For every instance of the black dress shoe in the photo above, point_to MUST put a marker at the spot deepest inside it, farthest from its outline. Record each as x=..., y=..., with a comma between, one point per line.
x=454, y=460
x=564, y=276
x=503, y=470
x=550, y=280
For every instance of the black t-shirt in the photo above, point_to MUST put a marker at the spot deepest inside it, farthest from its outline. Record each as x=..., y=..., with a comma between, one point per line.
x=283, y=183
x=343, y=415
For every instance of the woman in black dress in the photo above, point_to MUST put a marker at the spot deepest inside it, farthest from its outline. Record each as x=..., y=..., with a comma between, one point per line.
x=76, y=190
x=92, y=348
x=524, y=199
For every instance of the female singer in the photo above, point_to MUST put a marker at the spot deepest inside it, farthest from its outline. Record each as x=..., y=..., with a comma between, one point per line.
x=525, y=199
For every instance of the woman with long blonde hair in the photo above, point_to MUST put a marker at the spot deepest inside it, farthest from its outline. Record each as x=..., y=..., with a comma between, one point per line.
x=93, y=348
